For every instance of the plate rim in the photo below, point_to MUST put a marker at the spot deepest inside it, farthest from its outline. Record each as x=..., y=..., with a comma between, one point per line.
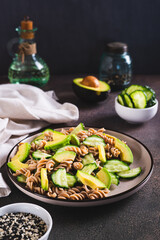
x=101, y=201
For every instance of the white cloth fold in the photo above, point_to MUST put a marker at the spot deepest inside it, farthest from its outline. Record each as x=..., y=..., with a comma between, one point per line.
x=25, y=109
x=4, y=188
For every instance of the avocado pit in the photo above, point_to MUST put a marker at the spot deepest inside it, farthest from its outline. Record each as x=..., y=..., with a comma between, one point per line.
x=90, y=81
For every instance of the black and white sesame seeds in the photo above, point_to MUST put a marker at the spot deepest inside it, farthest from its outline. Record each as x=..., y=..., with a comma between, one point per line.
x=21, y=226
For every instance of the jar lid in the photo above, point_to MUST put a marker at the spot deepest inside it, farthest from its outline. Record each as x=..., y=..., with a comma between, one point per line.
x=116, y=47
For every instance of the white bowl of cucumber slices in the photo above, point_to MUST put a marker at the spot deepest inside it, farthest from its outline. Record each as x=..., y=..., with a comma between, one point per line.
x=136, y=104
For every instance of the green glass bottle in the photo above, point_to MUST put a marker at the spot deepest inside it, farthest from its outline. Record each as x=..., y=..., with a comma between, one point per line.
x=27, y=67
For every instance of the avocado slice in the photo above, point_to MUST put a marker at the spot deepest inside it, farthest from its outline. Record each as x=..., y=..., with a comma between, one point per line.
x=126, y=153
x=75, y=140
x=42, y=135
x=104, y=176
x=92, y=94
x=77, y=129
x=16, y=165
x=102, y=153
x=89, y=180
x=22, y=153
x=44, y=179
x=59, y=141
x=61, y=156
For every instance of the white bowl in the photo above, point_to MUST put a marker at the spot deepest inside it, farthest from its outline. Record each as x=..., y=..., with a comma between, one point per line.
x=135, y=115
x=33, y=209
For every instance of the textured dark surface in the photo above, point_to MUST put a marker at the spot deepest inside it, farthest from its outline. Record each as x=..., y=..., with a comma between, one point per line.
x=134, y=218
x=72, y=34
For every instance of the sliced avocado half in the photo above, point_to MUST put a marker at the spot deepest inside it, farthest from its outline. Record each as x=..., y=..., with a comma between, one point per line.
x=90, y=93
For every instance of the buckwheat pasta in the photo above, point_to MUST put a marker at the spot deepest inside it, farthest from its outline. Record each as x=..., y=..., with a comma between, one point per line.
x=78, y=191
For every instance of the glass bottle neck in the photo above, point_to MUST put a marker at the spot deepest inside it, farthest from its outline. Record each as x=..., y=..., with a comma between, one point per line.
x=22, y=40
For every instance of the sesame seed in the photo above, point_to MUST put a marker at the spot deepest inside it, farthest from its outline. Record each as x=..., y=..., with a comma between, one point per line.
x=21, y=226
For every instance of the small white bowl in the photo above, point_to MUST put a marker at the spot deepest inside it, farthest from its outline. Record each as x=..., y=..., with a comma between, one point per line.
x=135, y=115
x=33, y=209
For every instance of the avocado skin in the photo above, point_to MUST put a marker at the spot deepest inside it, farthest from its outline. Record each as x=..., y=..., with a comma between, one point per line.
x=89, y=94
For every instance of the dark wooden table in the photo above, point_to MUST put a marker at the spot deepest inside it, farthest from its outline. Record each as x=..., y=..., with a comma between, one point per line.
x=136, y=217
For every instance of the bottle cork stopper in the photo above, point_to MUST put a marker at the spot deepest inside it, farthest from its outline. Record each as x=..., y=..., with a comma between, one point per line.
x=26, y=28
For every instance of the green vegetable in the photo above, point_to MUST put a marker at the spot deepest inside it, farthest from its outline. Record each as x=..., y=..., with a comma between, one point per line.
x=130, y=173
x=104, y=176
x=22, y=153
x=137, y=96
x=102, y=153
x=94, y=141
x=116, y=166
x=120, y=99
x=71, y=180
x=21, y=178
x=37, y=155
x=114, y=178
x=88, y=159
x=89, y=168
x=75, y=140
x=89, y=180
x=77, y=129
x=128, y=101
x=59, y=178
x=139, y=99
x=61, y=156
x=44, y=179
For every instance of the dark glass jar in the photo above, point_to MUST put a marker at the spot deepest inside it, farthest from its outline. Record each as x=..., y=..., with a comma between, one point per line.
x=116, y=66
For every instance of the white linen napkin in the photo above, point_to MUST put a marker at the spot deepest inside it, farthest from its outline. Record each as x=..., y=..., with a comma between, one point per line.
x=4, y=188
x=25, y=109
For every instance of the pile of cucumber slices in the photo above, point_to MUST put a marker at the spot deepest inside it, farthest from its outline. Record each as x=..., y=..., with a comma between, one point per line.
x=137, y=96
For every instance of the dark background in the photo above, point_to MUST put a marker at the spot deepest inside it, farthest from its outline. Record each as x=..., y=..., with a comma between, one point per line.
x=72, y=33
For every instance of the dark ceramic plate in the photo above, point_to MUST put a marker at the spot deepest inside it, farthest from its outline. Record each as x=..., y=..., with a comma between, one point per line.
x=142, y=158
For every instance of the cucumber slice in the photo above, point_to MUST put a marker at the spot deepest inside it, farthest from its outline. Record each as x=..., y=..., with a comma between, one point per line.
x=102, y=153
x=151, y=102
x=89, y=168
x=94, y=141
x=71, y=180
x=149, y=92
x=114, y=178
x=37, y=155
x=75, y=140
x=133, y=88
x=116, y=166
x=104, y=176
x=130, y=173
x=77, y=129
x=61, y=156
x=88, y=159
x=21, y=178
x=59, y=178
x=62, y=149
x=128, y=101
x=120, y=99
x=89, y=180
x=139, y=99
